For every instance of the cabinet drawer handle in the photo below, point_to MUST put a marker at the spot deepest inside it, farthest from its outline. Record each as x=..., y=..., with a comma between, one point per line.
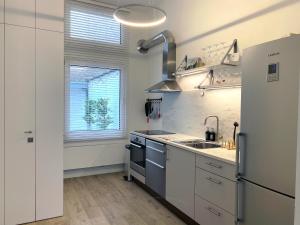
x=155, y=164
x=214, y=165
x=155, y=149
x=28, y=132
x=214, y=180
x=213, y=211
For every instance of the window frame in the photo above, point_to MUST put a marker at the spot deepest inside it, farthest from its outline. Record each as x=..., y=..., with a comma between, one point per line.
x=95, y=135
x=96, y=54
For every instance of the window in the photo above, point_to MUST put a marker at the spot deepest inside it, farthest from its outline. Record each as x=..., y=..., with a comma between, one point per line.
x=94, y=27
x=96, y=52
x=94, y=99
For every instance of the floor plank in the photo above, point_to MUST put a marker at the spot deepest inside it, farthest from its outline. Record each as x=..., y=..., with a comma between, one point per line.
x=109, y=200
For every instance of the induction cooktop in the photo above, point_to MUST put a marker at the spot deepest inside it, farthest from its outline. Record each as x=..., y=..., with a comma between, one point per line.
x=154, y=132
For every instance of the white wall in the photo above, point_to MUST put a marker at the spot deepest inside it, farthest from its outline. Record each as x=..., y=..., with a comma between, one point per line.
x=196, y=24
x=111, y=152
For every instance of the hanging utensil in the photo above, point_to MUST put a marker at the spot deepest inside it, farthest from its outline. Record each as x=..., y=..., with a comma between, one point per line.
x=159, y=110
x=148, y=110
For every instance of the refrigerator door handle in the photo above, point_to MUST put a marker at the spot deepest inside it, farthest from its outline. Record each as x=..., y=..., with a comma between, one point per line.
x=240, y=155
x=239, y=202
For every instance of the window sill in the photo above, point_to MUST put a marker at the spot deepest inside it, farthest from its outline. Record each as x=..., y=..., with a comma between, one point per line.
x=70, y=144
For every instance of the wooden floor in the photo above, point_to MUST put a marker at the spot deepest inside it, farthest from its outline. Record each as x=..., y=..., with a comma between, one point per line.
x=109, y=200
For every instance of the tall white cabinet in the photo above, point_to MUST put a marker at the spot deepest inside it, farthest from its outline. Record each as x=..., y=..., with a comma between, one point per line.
x=50, y=15
x=49, y=123
x=19, y=124
x=31, y=110
x=1, y=124
x=1, y=11
x=20, y=12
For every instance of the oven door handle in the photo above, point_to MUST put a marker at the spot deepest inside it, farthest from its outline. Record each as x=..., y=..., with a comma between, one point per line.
x=137, y=146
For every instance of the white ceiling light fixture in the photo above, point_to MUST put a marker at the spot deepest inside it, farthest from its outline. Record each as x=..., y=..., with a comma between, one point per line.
x=138, y=15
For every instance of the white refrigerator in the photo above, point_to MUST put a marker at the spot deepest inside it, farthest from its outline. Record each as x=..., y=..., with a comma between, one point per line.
x=267, y=141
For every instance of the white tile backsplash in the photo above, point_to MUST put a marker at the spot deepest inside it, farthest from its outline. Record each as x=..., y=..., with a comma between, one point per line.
x=185, y=112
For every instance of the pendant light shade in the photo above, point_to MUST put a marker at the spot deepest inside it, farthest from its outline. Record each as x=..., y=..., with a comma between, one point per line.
x=137, y=15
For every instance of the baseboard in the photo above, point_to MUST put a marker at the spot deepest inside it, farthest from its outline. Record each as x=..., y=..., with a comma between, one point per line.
x=93, y=171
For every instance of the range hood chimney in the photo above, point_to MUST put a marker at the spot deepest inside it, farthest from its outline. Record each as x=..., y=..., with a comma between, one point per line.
x=168, y=83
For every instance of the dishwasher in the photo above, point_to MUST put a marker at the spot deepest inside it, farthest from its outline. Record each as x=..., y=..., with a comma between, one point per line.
x=156, y=167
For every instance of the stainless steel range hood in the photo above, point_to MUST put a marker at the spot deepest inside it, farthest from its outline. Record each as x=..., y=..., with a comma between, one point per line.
x=168, y=83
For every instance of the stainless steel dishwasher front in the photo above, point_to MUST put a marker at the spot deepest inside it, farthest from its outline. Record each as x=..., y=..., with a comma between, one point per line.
x=156, y=167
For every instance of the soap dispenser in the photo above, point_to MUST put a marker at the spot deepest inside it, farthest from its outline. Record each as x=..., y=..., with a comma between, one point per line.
x=212, y=136
x=207, y=134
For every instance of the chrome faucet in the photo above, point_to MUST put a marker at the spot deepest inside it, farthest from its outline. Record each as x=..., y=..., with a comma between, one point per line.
x=217, y=118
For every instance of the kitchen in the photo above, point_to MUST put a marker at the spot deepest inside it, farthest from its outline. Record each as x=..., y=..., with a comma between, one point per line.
x=201, y=182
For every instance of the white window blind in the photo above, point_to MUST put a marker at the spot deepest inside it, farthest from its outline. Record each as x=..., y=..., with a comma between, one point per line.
x=93, y=27
x=96, y=53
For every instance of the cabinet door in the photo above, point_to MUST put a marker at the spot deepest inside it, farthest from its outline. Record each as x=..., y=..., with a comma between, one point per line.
x=20, y=12
x=49, y=123
x=1, y=11
x=207, y=213
x=1, y=124
x=215, y=189
x=50, y=15
x=19, y=124
x=180, y=179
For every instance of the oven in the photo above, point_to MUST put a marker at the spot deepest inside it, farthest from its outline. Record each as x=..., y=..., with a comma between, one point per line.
x=137, y=149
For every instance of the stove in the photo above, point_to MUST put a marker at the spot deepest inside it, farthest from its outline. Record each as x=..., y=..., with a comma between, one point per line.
x=154, y=132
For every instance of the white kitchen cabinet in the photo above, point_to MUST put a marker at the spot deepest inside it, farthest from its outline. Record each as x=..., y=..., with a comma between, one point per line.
x=216, y=189
x=50, y=15
x=20, y=12
x=1, y=124
x=49, y=123
x=34, y=93
x=1, y=11
x=19, y=124
x=216, y=166
x=31, y=99
x=214, y=192
x=207, y=213
x=180, y=179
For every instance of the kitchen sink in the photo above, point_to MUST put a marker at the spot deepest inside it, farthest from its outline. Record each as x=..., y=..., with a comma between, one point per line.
x=199, y=144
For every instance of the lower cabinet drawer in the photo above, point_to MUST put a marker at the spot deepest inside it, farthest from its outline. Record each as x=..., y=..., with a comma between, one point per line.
x=216, y=189
x=208, y=214
x=156, y=177
x=215, y=166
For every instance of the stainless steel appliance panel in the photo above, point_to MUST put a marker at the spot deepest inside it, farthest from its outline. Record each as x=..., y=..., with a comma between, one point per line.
x=156, y=177
x=156, y=166
x=260, y=206
x=156, y=152
x=269, y=115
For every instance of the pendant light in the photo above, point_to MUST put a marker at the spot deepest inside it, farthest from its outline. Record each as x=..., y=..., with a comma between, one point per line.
x=138, y=15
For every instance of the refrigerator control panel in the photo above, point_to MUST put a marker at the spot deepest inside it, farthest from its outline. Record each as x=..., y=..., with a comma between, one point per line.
x=273, y=72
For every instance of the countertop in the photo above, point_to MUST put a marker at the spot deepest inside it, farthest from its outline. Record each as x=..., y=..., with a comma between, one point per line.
x=222, y=154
